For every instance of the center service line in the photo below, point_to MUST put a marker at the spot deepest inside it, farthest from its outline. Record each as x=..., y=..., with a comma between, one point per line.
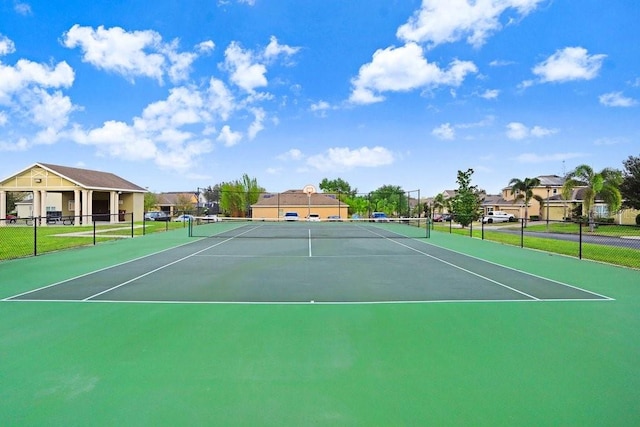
x=310, y=255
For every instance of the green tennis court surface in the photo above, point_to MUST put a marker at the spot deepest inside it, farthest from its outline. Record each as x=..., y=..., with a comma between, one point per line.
x=312, y=262
x=302, y=326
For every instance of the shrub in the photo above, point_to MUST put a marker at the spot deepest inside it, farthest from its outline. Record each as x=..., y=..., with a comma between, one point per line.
x=638, y=219
x=534, y=217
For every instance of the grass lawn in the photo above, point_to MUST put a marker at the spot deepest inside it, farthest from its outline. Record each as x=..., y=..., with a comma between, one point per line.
x=626, y=257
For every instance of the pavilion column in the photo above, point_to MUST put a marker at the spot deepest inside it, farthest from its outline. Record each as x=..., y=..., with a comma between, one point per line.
x=77, y=207
x=114, y=206
x=43, y=206
x=86, y=207
x=3, y=206
x=35, y=206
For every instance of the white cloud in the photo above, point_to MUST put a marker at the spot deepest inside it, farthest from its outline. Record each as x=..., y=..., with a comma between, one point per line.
x=570, y=63
x=274, y=49
x=228, y=137
x=22, y=8
x=245, y=71
x=500, y=63
x=219, y=99
x=26, y=74
x=608, y=141
x=616, y=99
x=518, y=131
x=293, y=154
x=34, y=104
x=448, y=21
x=3, y=118
x=6, y=45
x=490, y=94
x=403, y=69
x=346, y=158
x=320, y=108
x=256, y=126
x=542, y=158
x=205, y=46
x=117, y=139
x=130, y=54
x=444, y=131
x=133, y=53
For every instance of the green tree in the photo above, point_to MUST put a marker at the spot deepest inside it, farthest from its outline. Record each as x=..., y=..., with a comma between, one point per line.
x=150, y=201
x=184, y=203
x=630, y=186
x=467, y=201
x=523, y=189
x=604, y=184
x=338, y=186
x=236, y=197
x=439, y=203
x=390, y=199
x=14, y=197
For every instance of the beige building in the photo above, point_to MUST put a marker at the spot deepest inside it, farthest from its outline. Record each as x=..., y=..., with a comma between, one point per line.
x=552, y=205
x=273, y=206
x=82, y=193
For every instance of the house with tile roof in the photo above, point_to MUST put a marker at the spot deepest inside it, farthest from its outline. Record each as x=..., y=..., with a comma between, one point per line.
x=83, y=193
x=274, y=205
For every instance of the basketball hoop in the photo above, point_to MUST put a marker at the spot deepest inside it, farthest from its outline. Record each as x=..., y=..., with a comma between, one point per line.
x=309, y=190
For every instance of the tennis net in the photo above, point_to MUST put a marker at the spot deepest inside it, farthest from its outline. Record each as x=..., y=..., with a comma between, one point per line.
x=256, y=228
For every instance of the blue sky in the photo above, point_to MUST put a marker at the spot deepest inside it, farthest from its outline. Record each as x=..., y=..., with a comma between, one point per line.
x=178, y=95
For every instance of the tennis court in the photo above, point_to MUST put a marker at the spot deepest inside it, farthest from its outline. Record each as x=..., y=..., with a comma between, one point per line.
x=308, y=262
x=246, y=323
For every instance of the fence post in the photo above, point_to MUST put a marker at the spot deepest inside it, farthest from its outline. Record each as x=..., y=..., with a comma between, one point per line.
x=580, y=242
x=522, y=220
x=35, y=235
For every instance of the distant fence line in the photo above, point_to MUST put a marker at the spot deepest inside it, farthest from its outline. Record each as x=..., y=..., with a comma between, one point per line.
x=604, y=242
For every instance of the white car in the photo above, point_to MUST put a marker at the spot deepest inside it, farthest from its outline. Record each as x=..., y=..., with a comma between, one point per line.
x=291, y=216
x=183, y=218
x=313, y=217
x=498, y=216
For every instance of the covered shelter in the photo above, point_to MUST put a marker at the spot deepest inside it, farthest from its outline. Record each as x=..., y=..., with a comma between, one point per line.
x=82, y=193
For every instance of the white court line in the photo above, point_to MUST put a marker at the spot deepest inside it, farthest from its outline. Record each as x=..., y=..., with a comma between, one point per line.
x=97, y=271
x=521, y=271
x=399, y=302
x=165, y=266
x=310, y=254
x=492, y=263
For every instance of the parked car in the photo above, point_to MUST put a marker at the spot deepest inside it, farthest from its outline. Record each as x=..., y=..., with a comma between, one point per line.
x=447, y=217
x=156, y=216
x=437, y=218
x=11, y=219
x=379, y=217
x=291, y=216
x=314, y=217
x=334, y=218
x=498, y=216
x=211, y=218
x=184, y=218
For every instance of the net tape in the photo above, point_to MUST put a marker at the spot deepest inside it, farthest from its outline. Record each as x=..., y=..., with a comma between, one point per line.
x=256, y=228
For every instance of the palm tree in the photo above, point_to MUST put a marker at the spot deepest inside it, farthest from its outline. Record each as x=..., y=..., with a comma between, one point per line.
x=439, y=202
x=523, y=189
x=604, y=184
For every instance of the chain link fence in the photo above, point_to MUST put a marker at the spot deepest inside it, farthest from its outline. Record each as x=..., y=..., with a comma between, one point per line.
x=22, y=237
x=599, y=241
